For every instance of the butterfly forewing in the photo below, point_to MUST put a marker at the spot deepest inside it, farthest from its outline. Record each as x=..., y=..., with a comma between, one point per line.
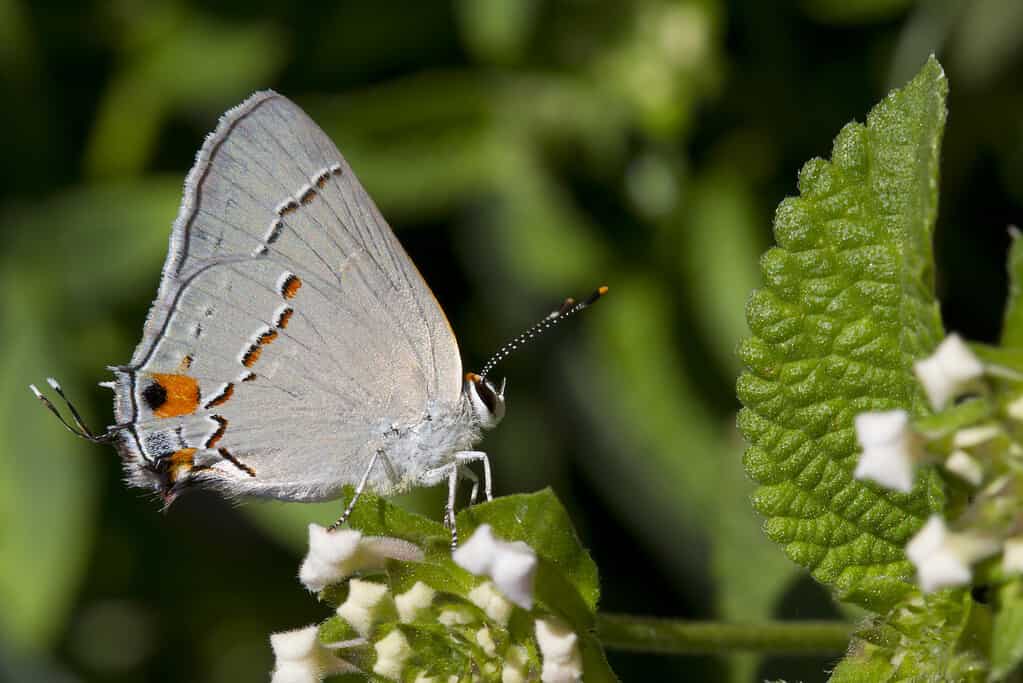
x=290, y=325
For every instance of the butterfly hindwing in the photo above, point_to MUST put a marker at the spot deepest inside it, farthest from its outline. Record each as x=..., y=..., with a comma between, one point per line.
x=289, y=324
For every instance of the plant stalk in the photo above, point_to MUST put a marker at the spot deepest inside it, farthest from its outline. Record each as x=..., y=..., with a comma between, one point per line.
x=677, y=636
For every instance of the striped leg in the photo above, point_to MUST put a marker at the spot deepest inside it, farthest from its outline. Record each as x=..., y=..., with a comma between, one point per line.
x=358, y=492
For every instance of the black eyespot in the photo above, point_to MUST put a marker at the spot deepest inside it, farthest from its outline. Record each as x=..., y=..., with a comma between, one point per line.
x=155, y=395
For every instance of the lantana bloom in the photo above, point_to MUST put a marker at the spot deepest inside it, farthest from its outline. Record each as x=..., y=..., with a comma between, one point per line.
x=409, y=603
x=392, y=651
x=888, y=449
x=965, y=466
x=943, y=558
x=366, y=603
x=336, y=555
x=512, y=565
x=490, y=600
x=1012, y=555
x=302, y=659
x=559, y=648
x=948, y=371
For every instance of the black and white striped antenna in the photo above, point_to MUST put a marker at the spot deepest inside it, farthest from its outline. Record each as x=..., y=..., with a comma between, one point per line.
x=567, y=310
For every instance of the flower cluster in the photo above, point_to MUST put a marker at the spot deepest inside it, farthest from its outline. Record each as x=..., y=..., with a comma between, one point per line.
x=404, y=615
x=973, y=439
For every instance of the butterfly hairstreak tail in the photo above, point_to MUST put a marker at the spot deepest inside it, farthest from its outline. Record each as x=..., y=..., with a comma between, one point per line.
x=293, y=347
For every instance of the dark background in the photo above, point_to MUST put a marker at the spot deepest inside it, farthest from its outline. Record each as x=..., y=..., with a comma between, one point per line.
x=524, y=151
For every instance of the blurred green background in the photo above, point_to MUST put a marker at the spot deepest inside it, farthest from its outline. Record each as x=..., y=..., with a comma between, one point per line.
x=524, y=151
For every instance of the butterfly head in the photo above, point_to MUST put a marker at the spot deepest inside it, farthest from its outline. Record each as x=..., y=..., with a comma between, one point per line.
x=487, y=402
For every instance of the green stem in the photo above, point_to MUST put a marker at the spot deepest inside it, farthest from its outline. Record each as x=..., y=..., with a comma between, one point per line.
x=675, y=636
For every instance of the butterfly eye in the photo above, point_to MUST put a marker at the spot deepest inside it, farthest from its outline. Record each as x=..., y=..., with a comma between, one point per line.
x=486, y=401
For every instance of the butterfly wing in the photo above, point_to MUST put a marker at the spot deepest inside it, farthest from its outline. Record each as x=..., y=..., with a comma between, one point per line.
x=290, y=327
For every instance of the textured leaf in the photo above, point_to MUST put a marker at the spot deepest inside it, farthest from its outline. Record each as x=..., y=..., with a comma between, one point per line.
x=944, y=637
x=848, y=306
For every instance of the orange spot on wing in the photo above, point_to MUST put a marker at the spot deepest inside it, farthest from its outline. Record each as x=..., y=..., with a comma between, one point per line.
x=285, y=318
x=181, y=462
x=223, y=397
x=252, y=355
x=215, y=436
x=182, y=395
x=291, y=287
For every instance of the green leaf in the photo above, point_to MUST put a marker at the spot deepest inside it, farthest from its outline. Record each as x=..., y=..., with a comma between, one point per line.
x=1012, y=322
x=566, y=582
x=943, y=637
x=541, y=521
x=849, y=305
x=374, y=516
x=1007, y=631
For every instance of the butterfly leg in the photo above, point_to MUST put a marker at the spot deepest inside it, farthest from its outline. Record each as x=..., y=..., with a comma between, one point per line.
x=358, y=492
x=449, y=509
x=466, y=473
x=466, y=457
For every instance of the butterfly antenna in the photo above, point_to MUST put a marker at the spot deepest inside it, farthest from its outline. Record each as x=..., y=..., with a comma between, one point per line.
x=79, y=427
x=567, y=310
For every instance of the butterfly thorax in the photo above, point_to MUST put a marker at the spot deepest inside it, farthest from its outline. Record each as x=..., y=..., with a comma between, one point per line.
x=410, y=451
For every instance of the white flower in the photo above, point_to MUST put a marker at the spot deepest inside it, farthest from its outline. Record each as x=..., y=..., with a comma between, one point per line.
x=1012, y=555
x=943, y=558
x=961, y=464
x=393, y=650
x=516, y=661
x=559, y=648
x=302, y=659
x=1015, y=409
x=456, y=617
x=974, y=436
x=490, y=600
x=485, y=639
x=336, y=555
x=365, y=605
x=888, y=449
x=512, y=566
x=420, y=596
x=950, y=369
x=423, y=678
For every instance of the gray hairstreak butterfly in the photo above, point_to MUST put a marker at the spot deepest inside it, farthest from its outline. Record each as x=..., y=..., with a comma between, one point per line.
x=293, y=347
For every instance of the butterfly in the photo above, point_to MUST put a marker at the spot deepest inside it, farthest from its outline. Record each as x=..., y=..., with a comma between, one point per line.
x=293, y=347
